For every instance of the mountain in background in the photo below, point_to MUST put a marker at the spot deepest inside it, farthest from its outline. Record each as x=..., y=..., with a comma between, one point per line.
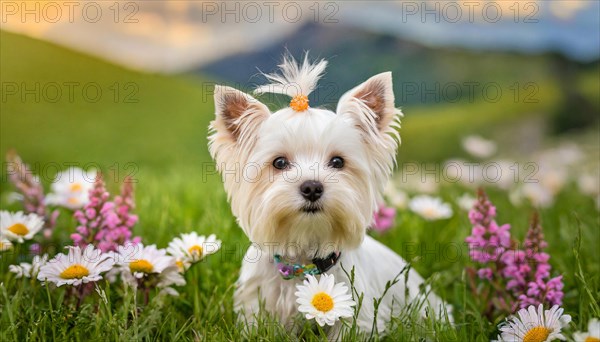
x=422, y=74
x=179, y=36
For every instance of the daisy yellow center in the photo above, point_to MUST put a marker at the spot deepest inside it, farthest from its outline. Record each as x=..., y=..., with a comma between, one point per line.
x=179, y=264
x=429, y=212
x=195, y=249
x=141, y=265
x=74, y=271
x=76, y=187
x=537, y=334
x=322, y=302
x=299, y=103
x=18, y=229
x=592, y=339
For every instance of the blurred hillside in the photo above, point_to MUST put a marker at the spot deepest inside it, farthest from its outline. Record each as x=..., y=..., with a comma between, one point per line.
x=112, y=115
x=425, y=75
x=160, y=122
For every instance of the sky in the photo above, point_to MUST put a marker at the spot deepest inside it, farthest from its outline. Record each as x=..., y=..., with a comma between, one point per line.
x=176, y=36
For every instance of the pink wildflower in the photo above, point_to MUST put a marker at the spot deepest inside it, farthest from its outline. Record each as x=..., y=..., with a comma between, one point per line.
x=538, y=288
x=106, y=224
x=488, y=240
x=516, y=278
x=383, y=219
x=29, y=186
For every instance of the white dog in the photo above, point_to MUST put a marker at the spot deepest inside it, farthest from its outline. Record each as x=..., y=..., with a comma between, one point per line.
x=304, y=183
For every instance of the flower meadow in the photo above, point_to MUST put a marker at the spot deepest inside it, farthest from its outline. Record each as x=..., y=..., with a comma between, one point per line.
x=79, y=262
x=102, y=246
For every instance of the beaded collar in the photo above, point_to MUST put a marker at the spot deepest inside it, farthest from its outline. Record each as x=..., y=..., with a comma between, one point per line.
x=318, y=266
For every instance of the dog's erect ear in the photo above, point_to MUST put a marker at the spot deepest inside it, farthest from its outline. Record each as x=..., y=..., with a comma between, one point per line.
x=238, y=114
x=370, y=108
x=371, y=104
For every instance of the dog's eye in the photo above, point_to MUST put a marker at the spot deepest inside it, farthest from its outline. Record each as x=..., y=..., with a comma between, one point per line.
x=336, y=162
x=281, y=163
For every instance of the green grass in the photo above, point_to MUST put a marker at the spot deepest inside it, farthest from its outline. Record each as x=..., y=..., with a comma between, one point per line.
x=154, y=120
x=174, y=203
x=164, y=134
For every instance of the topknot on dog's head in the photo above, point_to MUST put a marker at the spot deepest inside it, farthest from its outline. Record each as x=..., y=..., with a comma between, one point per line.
x=295, y=80
x=270, y=162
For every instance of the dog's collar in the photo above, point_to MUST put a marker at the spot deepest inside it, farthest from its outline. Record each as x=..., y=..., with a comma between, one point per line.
x=318, y=266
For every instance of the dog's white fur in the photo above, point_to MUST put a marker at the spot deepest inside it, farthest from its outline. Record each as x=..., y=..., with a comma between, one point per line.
x=245, y=139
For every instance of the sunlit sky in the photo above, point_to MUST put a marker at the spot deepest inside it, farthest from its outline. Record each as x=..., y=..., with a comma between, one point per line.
x=174, y=36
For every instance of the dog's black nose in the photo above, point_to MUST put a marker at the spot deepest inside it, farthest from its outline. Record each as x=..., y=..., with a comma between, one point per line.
x=311, y=190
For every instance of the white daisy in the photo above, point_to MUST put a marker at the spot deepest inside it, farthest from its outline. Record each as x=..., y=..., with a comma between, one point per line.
x=478, y=146
x=324, y=300
x=535, y=326
x=395, y=197
x=137, y=262
x=566, y=154
x=593, y=333
x=5, y=244
x=191, y=248
x=500, y=173
x=553, y=178
x=539, y=195
x=466, y=202
x=430, y=208
x=19, y=226
x=77, y=267
x=28, y=270
x=71, y=188
x=589, y=184
x=453, y=170
x=420, y=183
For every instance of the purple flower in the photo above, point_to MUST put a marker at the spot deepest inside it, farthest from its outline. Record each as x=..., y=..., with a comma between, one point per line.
x=515, y=269
x=554, y=293
x=528, y=271
x=488, y=240
x=103, y=223
x=485, y=273
x=29, y=186
x=516, y=278
x=35, y=249
x=285, y=270
x=77, y=238
x=383, y=218
x=90, y=213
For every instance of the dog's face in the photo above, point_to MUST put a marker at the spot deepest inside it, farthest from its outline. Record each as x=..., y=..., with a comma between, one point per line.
x=306, y=182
